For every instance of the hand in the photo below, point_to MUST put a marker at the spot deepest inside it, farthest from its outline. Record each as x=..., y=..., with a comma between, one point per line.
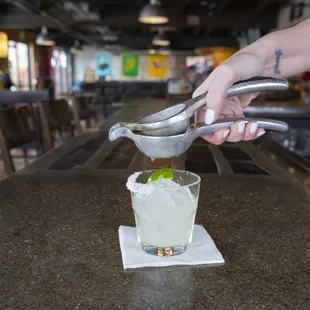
x=238, y=67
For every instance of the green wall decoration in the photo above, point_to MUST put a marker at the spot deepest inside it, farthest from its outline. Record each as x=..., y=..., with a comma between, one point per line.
x=130, y=65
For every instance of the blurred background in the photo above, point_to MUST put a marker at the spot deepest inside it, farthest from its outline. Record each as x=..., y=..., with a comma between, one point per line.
x=66, y=66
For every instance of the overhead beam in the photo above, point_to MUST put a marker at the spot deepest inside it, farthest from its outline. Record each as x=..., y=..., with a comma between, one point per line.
x=234, y=21
x=181, y=42
x=33, y=9
x=262, y=5
x=222, y=6
x=26, y=21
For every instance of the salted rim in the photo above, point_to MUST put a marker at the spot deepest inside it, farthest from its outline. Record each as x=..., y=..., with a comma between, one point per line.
x=147, y=188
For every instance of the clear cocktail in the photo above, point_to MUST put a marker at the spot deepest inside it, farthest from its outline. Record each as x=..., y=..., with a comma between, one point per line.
x=164, y=210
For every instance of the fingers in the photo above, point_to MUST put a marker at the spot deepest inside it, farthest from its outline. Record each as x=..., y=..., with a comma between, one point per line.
x=204, y=87
x=233, y=134
x=218, y=137
x=244, y=131
x=250, y=131
x=260, y=132
x=237, y=67
x=239, y=131
x=216, y=86
x=224, y=77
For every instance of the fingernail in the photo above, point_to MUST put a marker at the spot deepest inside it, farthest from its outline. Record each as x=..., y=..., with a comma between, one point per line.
x=260, y=133
x=209, y=117
x=226, y=133
x=241, y=127
x=253, y=128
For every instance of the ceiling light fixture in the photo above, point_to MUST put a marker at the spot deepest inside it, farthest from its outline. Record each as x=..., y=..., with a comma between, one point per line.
x=76, y=48
x=161, y=39
x=153, y=13
x=44, y=39
x=165, y=51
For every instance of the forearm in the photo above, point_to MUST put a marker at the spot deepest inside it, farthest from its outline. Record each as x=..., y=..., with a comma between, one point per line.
x=285, y=52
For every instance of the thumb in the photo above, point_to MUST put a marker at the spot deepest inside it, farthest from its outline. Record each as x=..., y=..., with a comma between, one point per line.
x=202, y=88
x=215, y=101
x=224, y=77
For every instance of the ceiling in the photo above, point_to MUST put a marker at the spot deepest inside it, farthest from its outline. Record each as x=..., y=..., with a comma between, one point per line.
x=115, y=22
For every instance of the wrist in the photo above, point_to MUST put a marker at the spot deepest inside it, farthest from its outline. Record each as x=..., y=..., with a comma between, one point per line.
x=262, y=49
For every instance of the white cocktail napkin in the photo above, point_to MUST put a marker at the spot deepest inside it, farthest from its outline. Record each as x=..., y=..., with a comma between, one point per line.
x=202, y=250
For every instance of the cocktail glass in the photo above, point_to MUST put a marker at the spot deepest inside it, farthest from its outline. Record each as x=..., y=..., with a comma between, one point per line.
x=164, y=211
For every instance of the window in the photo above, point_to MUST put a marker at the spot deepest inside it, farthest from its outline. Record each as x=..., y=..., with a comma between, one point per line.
x=62, y=72
x=19, y=66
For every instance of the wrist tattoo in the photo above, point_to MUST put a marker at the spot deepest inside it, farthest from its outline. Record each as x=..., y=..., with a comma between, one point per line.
x=278, y=53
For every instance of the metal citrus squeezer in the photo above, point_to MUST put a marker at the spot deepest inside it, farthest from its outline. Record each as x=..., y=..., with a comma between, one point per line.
x=168, y=133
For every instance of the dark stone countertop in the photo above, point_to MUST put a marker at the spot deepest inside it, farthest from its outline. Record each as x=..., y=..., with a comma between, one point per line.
x=60, y=250
x=59, y=245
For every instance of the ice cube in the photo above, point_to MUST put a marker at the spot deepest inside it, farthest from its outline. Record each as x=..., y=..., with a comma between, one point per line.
x=179, y=194
x=182, y=195
x=165, y=183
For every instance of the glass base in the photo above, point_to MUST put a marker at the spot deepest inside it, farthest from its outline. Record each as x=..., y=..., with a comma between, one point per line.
x=163, y=251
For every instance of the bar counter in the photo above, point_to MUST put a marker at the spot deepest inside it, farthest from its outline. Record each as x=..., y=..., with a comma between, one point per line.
x=60, y=218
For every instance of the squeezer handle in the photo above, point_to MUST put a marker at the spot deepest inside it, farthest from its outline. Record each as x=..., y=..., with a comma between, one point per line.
x=255, y=84
x=268, y=124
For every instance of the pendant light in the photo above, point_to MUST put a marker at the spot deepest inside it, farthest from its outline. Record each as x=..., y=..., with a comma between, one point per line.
x=161, y=39
x=44, y=39
x=165, y=50
x=76, y=48
x=153, y=13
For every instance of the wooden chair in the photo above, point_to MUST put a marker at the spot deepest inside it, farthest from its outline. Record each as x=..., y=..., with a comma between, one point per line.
x=59, y=117
x=18, y=129
x=84, y=108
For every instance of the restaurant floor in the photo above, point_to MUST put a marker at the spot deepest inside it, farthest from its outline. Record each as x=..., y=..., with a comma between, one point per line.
x=18, y=160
